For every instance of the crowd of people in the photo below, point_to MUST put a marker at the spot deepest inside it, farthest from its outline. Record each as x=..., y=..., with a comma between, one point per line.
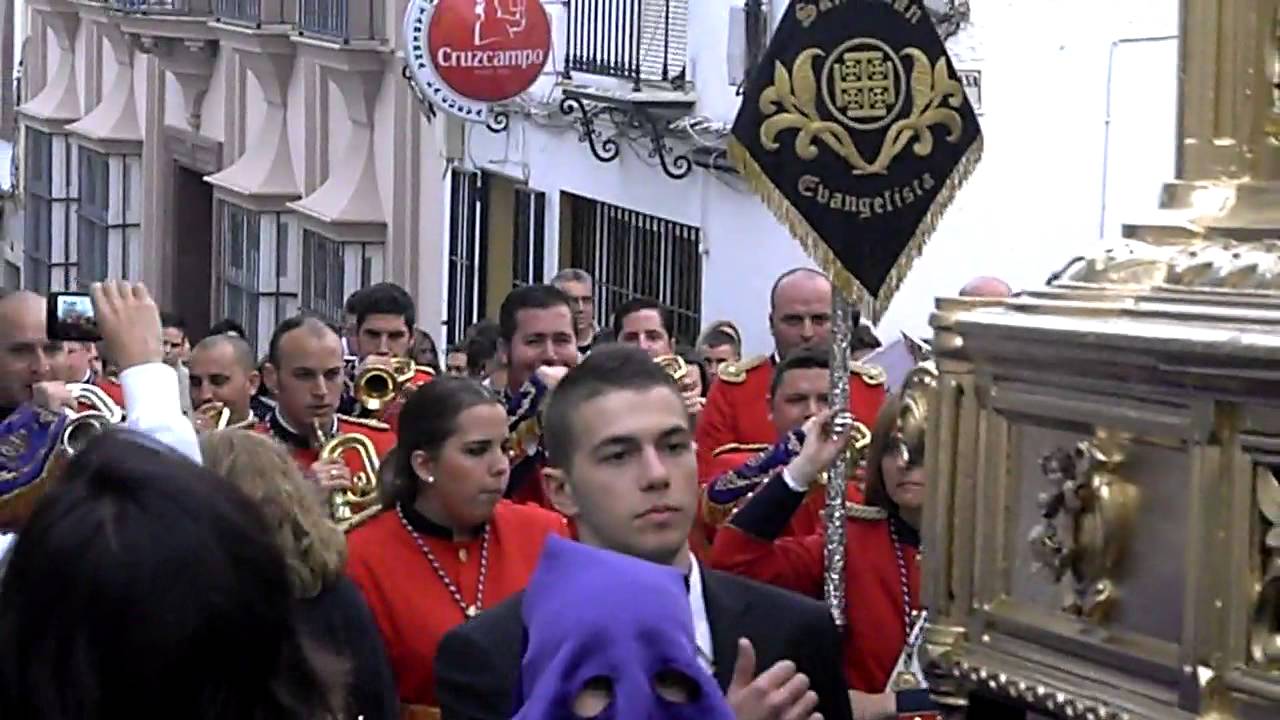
x=551, y=519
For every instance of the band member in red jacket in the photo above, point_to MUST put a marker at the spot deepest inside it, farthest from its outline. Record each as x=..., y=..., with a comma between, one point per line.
x=305, y=373
x=737, y=410
x=882, y=555
x=447, y=545
x=384, y=320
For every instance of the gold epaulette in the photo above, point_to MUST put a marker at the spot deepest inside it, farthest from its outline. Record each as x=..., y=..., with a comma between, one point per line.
x=856, y=511
x=365, y=422
x=735, y=372
x=739, y=447
x=871, y=374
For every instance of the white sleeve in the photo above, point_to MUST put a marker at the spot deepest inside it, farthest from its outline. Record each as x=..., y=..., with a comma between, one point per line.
x=154, y=406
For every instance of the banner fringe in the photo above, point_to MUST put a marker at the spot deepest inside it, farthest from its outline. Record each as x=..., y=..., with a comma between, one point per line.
x=822, y=255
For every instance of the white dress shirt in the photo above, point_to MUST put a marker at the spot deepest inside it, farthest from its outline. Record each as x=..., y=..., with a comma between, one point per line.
x=701, y=624
x=154, y=406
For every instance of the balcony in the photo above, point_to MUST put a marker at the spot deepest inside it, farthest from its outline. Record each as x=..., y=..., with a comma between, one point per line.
x=256, y=13
x=162, y=7
x=643, y=41
x=341, y=21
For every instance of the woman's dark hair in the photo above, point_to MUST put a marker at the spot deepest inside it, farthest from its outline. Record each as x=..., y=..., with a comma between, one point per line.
x=429, y=418
x=144, y=586
x=883, y=440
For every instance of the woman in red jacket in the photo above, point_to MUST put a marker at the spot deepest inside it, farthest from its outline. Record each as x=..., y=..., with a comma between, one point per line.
x=447, y=545
x=882, y=573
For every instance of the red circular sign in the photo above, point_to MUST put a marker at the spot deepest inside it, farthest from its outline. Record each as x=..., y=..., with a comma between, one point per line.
x=489, y=50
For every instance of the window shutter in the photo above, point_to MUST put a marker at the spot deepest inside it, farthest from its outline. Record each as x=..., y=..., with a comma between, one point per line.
x=664, y=39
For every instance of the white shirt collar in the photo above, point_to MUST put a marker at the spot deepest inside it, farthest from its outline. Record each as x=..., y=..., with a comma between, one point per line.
x=701, y=624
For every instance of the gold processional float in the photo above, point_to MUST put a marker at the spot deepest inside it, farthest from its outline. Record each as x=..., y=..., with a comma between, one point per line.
x=1103, y=524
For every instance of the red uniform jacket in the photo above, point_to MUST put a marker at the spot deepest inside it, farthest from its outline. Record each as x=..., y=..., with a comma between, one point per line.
x=113, y=389
x=875, y=633
x=305, y=451
x=411, y=604
x=806, y=521
x=737, y=409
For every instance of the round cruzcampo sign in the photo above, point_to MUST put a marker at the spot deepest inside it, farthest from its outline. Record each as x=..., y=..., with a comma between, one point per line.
x=465, y=55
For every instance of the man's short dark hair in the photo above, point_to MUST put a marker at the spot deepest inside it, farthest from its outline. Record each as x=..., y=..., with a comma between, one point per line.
x=228, y=326
x=802, y=359
x=528, y=297
x=481, y=345
x=607, y=369
x=289, y=325
x=173, y=320
x=353, y=301
x=240, y=349
x=635, y=305
x=382, y=299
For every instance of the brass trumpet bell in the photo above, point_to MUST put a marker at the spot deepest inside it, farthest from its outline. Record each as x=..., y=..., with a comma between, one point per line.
x=678, y=369
x=212, y=416
x=82, y=427
x=377, y=386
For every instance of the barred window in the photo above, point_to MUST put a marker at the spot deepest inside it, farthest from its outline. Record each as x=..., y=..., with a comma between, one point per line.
x=632, y=254
x=332, y=270
x=109, y=216
x=259, y=270
x=528, y=247
x=49, y=244
x=468, y=256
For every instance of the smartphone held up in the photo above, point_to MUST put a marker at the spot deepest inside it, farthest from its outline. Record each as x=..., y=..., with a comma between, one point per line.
x=72, y=317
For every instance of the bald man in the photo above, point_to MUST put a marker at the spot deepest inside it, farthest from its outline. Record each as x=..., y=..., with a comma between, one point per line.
x=224, y=370
x=27, y=355
x=737, y=409
x=986, y=287
x=306, y=375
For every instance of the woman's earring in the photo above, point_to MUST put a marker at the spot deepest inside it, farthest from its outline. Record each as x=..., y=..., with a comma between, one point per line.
x=431, y=479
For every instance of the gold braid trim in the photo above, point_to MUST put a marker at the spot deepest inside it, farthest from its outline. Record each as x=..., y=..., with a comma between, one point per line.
x=822, y=254
x=365, y=422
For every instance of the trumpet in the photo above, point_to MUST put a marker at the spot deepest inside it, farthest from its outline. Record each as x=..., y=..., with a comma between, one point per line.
x=84, y=426
x=376, y=386
x=677, y=368
x=350, y=507
x=212, y=416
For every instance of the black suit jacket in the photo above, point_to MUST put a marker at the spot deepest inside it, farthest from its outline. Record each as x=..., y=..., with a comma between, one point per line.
x=478, y=663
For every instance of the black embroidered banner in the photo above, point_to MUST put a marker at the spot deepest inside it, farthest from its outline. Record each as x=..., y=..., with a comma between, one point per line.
x=857, y=134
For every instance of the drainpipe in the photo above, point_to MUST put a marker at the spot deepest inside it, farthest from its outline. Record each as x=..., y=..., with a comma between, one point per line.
x=1106, y=140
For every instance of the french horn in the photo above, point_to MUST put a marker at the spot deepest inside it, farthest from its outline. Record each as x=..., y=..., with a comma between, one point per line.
x=349, y=507
x=377, y=386
x=83, y=427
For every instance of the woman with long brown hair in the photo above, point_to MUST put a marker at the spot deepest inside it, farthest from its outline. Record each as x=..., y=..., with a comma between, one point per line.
x=329, y=608
x=447, y=545
x=882, y=573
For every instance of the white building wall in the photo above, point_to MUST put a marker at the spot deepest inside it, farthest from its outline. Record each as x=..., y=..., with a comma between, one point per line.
x=1035, y=201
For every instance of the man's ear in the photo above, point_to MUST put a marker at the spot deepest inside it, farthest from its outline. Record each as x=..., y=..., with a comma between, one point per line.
x=271, y=378
x=255, y=379
x=556, y=485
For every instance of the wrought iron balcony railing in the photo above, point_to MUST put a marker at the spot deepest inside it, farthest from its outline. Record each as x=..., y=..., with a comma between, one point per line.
x=340, y=20
x=256, y=13
x=644, y=41
x=163, y=7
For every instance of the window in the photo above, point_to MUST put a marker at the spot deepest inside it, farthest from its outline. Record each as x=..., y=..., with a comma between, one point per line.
x=528, y=247
x=49, y=244
x=109, y=223
x=631, y=254
x=468, y=259
x=259, y=270
x=639, y=40
x=332, y=270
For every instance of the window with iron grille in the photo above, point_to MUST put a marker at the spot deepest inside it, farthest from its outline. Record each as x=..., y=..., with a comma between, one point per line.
x=759, y=28
x=108, y=216
x=631, y=254
x=332, y=270
x=528, y=247
x=638, y=40
x=49, y=235
x=468, y=257
x=258, y=273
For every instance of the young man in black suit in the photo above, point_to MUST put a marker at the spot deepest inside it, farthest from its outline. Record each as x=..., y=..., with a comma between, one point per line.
x=623, y=467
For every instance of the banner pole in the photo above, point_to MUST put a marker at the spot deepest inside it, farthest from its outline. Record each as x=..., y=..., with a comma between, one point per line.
x=843, y=319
